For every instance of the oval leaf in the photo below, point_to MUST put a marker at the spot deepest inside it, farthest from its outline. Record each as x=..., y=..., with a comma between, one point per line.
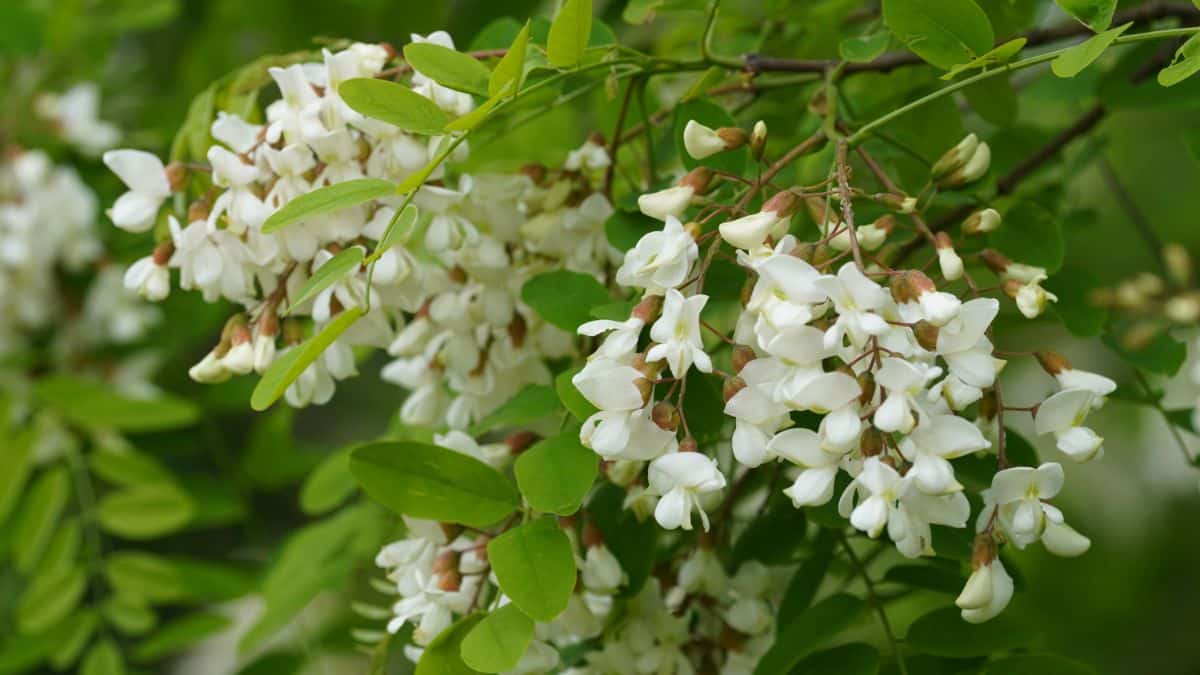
x=1072, y=62
x=556, y=474
x=90, y=403
x=944, y=33
x=329, y=199
x=286, y=368
x=943, y=632
x=1095, y=14
x=812, y=627
x=535, y=567
x=564, y=298
x=1185, y=64
x=395, y=104
x=180, y=634
x=443, y=656
x=448, y=67
x=328, y=485
x=532, y=403
x=328, y=274
x=425, y=481
x=498, y=642
x=145, y=511
x=569, y=33
x=511, y=67
x=50, y=597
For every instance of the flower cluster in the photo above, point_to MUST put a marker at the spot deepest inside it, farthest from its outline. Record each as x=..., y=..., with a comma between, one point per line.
x=445, y=304
x=830, y=373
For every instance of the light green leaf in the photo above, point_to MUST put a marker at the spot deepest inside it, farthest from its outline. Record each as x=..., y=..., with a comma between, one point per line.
x=1095, y=14
x=1031, y=235
x=64, y=546
x=556, y=474
x=1001, y=54
x=328, y=274
x=22, y=28
x=50, y=597
x=129, y=615
x=574, y=401
x=1185, y=64
x=533, y=403
x=329, y=199
x=126, y=467
x=476, y=116
x=944, y=33
x=104, y=658
x=498, y=642
x=395, y=104
x=511, y=68
x=145, y=511
x=864, y=48
x=40, y=510
x=93, y=404
x=535, y=567
x=398, y=231
x=70, y=637
x=157, y=580
x=1072, y=62
x=289, y=366
x=443, y=656
x=812, y=627
x=178, y=635
x=328, y=485
x=425, y=481
x=563, y=298
x=448, y=67
x=569, y=33
x=16, y=456
x=1038, y=664
x=943, y=632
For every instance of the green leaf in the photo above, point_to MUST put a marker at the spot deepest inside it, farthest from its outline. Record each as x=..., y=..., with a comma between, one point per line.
x=556, y=474
x=93, y=404
x=17, y=459
x=398, y=231
x=631, y=541
x=563, y=298
x=511, y=68
x=498, y=642
x=425, y=481
x=1182, y=418
x=944, y=33
x=1075, y=307
x=1164, y=356
x=1185, y=64
x=569, y=33
x=70, y=637
x=1072, y=62
x=328, y=485
x=807, y=580
x=329, y=199
x=50, y=597
x=1038, y=664
x=1095, y=14
x=1031, y=235
x=127, y=467
x=855, y=658
x=443, y=656
x=808, y=631
x=157, y=580
x=328, y=274
x=1000, y=54
x=129, y=615
x=707, y=80
x=22, y=28
x=930, y=577
x=773, y=537
x=178, y=635
x=533, y=403
x=535, y=567
x=145, y=511
x=943, y=632
x=448, y=67
x=104, y=658
x=40, y=510
x=624, y=228
x=995, y=99
x=864, y=48
x=580, y=407
x=395, y=104
x=286, y=368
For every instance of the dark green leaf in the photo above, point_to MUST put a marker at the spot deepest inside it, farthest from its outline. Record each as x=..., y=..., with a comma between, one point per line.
x=1038, y=664
x=930, y=577
x=855, y=658
x=556, y=474
x=864, y=48
x=395, y=104
x=1164, y=356
x=631, y=541
x=563, y=298
x=21, y=28
x=1031, y=235
x=808, y=631
x=625, y=228
x=807, y=580
x=943, y=632
x=535, y=567
x=1075, y=308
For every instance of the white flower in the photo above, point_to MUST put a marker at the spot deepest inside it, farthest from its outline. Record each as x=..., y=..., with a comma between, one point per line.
x=76, y=112
x=857, y=300
x=668, y=202
x=1073, y=378
x=1032, y=299
x=677, y=333
x=701, y=141
x=610, y=385
x=146, y=178
x=950, y=263
x=937, y=439
x=904, y=382
x=148, y=279
x=877, y=490
x=590, y=156
x=601, y=573
x=1062, y=414
x=681, y=478
x=756, y=412
x=703, y=573
x=963, y=343
x=749, y=232
x=814, y=484
x=660, y=260
x=622, y=337
x=986, y=593
x=1018, y=501
x=630, y=435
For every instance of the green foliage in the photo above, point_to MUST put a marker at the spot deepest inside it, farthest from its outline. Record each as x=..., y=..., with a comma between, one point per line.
x=808, y=631
x=535, y=567
x=570, y=33
x=564, y=298
x=533, y=403
x=942, y=632
x=145, y=511
x=448, y=67
x=556, y=474
x=1095, y=14
x=285, y=369
x=510, y=71
x=945, y=33
x=1072, y=62
x=329, y=199
x=1037, y=664
x=855, y=658
x=579, y=407
x=328, y=274
x=395, y=104
x=1163, y=356
x=498, y=641
x=1031, y=235
x=180, y=634
x=96, y=405
x=443, y=656
x=1185, y=64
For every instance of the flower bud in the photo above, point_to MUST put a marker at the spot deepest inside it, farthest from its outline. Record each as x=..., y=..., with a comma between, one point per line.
x=592, y=536
x=209, y=370
x=866, y=387
x=742, y=354
x=648, y=309
x=450, y=581
x=897, y=202
x=977, y=592
x=948, y=259
x=731, y=387
x=971, y=171
x=995, y=261
x=1031, y=298
x=758, y=140
x=783, y=204
x=954, y=158
x=926, y=334
x=445, y=561
x=520, y=441
x=239, y=359
x=981, y=222
x=665, y=415
x=1052, y=362
x=871, y=444
x=198, y=210
x=701, y=141
x=517, y=330
x=749, y=232
x=1183, y=308
x=1062, y=540
x=669, y=202
x=177, y=175
x=293, y=332
x=688, y=445
x=535, y=171
x=1178, y=263
x=264, y=352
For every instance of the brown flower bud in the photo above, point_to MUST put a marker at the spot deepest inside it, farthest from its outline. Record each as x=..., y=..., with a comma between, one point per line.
x=1052, y=362
x=163, y=252
x=926, y=335
x=520, y=441
x=596, y=138
x=665, y=415
x=871, y=444
x=910, y=285
x=1141, y=335
x=445, y=561
x=536, y=172
x=984, y=550
x=517, y=330
x=198, y=210
x=784, y=204
x=742, y=354
x=995, y=260
x=1011, y=288
x=689, y=445
x=734, y=137
x=451, y=530
x=818, y=212
x=450, y=581
x=648, y=308
x=700, y=179
x=177, y=175
x=731, y=387
x=592, y=536
x=866, y=386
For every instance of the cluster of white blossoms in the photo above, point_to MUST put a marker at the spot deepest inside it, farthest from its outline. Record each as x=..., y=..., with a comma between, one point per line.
x=903, y=380
x=445, y=303
x=49, y=240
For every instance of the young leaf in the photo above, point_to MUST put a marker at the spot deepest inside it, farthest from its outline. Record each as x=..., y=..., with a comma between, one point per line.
x=511, y=68
x=1072, y=62
x=51, y=596
x=328, y=274
x=532, y=403
x=498, y=642
x=399, y=230
x=178, y=635
x=448, y=67
x=289, y=366
x=944, y=33
x=90, y=403
x=1000, y=54
x=943, y=632
x=569, y=33
x=443, y=656
x=145, y=511
x=328, y=485
x=556, y=474
x=127, y=467
x=40, y=509
x=329, y=199
x=802, y=636
x=563, y=298
x=425, y=481
x=156, y=580
x=476, y=116
x=395, y=104
x=1038, y=664
x=104, y=658
x=1185, y=64
x=535, y=567
x=17, y=458
x=1095, y=14
x=572, y=400
x=864, y=48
